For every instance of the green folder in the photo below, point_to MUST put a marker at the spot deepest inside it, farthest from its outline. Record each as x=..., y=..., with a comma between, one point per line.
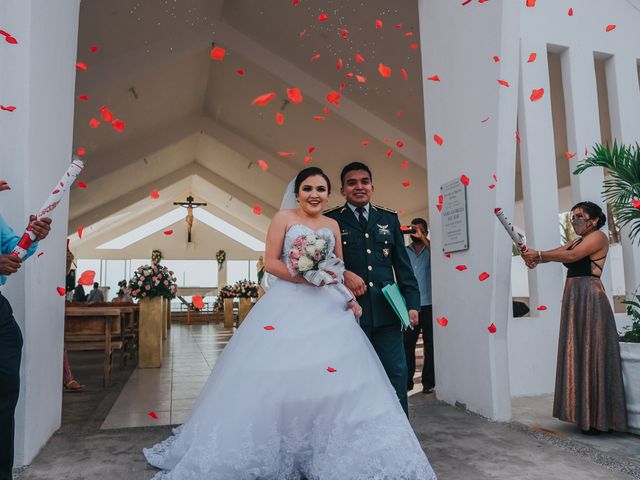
x=395, y=298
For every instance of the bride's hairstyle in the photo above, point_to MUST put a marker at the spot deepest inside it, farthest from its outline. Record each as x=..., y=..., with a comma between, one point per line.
x=310, y=172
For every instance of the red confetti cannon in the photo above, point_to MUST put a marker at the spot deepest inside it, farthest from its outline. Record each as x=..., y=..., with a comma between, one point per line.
x=52, y=202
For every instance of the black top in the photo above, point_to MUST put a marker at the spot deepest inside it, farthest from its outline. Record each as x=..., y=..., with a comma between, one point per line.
x=582, y=267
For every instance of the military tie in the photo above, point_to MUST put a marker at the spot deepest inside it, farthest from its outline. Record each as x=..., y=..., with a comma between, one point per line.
x=361, y=218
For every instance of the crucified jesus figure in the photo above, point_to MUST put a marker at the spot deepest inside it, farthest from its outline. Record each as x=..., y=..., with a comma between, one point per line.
x=189, y=205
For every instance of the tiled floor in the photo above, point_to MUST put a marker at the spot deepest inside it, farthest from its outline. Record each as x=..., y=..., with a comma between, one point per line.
x=170, y=391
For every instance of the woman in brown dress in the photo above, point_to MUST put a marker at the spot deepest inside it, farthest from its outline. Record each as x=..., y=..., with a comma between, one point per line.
x=589, y=389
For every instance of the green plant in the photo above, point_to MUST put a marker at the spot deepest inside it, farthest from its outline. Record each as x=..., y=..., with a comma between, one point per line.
x=632, y=334
x=622, y=187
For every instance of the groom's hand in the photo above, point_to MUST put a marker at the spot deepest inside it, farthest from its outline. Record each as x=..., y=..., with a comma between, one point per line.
x=355, y=283
x=414, y=319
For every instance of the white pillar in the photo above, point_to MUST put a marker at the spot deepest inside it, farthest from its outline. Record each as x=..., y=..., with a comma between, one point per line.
x=471, y=363
x=583, y=131
x=539, y=179
x=222, y=276
x=37, y=76
x=624, y=107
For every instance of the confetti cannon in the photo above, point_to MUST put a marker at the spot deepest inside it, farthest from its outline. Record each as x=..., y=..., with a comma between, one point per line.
x=52, y=202
x=517, y=239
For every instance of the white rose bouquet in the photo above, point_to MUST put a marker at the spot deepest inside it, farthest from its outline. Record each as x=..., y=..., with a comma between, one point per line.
x=306, y=253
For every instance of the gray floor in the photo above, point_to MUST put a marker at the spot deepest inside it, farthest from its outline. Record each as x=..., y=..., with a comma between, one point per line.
x=460, y=446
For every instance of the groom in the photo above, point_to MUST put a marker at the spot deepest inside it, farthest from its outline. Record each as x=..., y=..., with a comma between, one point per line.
x=374, y=250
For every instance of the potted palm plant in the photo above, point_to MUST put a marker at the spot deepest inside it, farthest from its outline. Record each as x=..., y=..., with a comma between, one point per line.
x=622, y=192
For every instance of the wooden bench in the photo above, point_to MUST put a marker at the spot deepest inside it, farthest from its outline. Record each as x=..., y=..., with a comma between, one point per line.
x=90, y=328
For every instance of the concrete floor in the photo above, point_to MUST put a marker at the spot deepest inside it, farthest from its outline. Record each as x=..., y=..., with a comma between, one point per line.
x=460, y=446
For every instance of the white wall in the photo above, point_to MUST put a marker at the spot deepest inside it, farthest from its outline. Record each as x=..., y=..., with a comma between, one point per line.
x=472, y=364
x=38, y=76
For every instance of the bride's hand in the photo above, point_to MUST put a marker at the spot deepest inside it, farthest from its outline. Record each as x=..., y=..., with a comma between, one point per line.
x=355, y=308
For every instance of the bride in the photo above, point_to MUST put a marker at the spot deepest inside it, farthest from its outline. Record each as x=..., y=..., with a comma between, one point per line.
x=299, y=391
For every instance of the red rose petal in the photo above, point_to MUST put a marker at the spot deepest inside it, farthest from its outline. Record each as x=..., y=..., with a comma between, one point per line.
x=311, y=149
x=461, y=268
x=496, y=58
x=81, y=66
x=495, y=178
x=405, y=164
x=344, y=33
x=483, y=276
x=410, y=34
x=61, y=291
x=331, y=370
x=570, y=12
x=81, y=185
x=269, y=327
x=434, y=78
x=399, y=25
x=504, y=83
x=240, y=71
x=262, y=100
x=406, y=183
x=441, y=199
x=107, y=115
x=339, y=64
x=361, y=79
x=365, y=143
x=333, y=97
x=84, y=98
x=492, y=328
x=218, y=53
x=279, y=118
x=307, y=159
x=323, y=17
x=358, y=58
x=610, y=27
x=94, y=123
x=10, y=39
x=9, y=108
x=414, y=46
x=569, y=155
x=400, y=143
x=536, y=94
x=257, y=210
x=532, y=57
x=286, y=154
x=404, y=74
x=94, y=48
x=168, y=232
x=384, y=70
x=379, y=24
x=154, y=194
x=315, y=57
x=438, y=139
x=118, y=125
x=464, y=180
x=531, y=3
x=197, y=301
x=263, y=165
x=635, y=203
x=439, y=207
x=442, y=321
x=294, y=95
x=81, y=151
x=87, y=277
x=80, y=231
x=302, y=33
x=319, y=118
x=492, y=186
x=153, y=415
x=542, y=308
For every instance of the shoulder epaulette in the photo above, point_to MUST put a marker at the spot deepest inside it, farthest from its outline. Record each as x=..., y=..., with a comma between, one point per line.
x=379, y=207
x=333, y=209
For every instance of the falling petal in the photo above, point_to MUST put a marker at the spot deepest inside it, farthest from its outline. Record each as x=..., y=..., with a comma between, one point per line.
x=84, y=98
x=61, y=291
x=262, y=100
x=269, y=327
x=405, y=164
x=358, y=58
x=94, y=123
x=118, y=125
x=107, y=115
x=339, y=64
x=504, y=83
x=384, y=70
x=257, y=210
x=286, y=154
x=379, y=24
x=81, y=151
x=315, y=57
x=531, y=3
x=333, y=97
x=569, y=155
x=442, y=321
x=483, y=276
x=294, y=95
x=438, y=139
x=496, y=58
x=464, y=180
x=320, y=118
x=461, y=268
x=80, y=231
x=168, y=232
x=532, y=57
x=154, y=194
x=240, y=71
x=361, y=79
x=197, y=301
x=81, y=184
x=406, y=183
x=331, y=370
x=323, y=17
x=263, y=165
x=404, y=73
x=537, y=94
x=434, y=78
x=610, y=27
x=541, y=308
x=492, y=328
x=81, y=66
x=311, y=149
x=344, y=33
x=400, y=143
x=570, y=12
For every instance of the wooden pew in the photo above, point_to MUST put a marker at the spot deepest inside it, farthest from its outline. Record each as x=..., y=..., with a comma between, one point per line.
x=93, y=328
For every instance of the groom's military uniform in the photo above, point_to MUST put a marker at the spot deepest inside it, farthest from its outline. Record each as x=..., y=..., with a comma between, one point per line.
x=374, y=249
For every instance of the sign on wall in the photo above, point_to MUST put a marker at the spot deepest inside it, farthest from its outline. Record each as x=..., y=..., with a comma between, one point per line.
x=455, y=227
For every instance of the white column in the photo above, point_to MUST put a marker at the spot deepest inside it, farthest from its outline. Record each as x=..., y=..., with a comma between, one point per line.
x=38, y=78
x=583, y=131
x=624, y=107
x=539, y=179
x=222, y=275
x=471, y=363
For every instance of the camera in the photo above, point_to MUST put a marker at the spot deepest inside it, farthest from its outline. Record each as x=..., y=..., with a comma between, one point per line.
x=408, y=230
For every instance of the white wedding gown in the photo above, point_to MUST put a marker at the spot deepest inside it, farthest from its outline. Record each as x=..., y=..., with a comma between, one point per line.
x=306, y=398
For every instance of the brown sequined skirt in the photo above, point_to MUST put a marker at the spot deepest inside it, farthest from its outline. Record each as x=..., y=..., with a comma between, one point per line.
x=589, y=389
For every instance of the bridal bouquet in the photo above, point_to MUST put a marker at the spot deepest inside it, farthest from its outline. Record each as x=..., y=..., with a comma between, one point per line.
x=310, y=257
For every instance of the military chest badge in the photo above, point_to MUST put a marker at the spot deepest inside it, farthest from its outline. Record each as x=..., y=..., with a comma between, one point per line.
x=383, y=229
x=385, y=252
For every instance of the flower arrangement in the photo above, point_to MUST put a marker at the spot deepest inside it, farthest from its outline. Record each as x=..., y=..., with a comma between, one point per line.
x=221, y=256
x=241, y=289
x=156, y=257
x=306, y=253
x=151, y=281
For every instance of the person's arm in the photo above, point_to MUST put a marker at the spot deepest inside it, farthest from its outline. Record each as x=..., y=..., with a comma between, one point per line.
x=587, y=247
x=273, y=250
x=404, y=273
x=9, y=239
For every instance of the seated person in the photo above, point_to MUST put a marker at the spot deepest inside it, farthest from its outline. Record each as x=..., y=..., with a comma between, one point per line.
x=96, y=295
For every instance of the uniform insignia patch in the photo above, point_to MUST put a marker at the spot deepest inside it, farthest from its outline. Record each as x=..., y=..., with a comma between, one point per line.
x=383, y=229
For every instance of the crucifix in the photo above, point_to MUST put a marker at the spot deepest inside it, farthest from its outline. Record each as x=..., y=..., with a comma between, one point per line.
x=189, y=205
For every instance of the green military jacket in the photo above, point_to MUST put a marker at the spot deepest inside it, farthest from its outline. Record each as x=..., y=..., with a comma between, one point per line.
x=375, y=255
